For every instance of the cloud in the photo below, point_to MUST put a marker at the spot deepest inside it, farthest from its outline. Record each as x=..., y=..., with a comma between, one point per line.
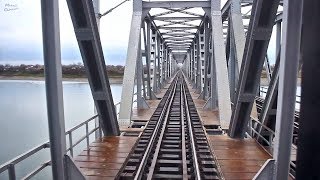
x=21, y=32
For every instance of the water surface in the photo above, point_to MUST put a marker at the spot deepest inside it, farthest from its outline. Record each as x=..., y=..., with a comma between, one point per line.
x=23, y=120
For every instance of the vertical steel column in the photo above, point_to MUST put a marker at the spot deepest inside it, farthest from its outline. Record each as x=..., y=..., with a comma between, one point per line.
x=221, y=66
x=141, y=103
x=309, y=145
x=158, y=62
x=161, y=59
x=53, y=80
x=131, y=62
x=195, y=63
x=164, y=66
x=199, y=78
x=288, y=71
x=153, y=64
x=202, y=59
x=146, y=38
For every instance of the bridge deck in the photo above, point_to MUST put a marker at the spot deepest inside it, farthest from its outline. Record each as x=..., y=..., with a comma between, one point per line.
x=105, y=157
x=237, y=159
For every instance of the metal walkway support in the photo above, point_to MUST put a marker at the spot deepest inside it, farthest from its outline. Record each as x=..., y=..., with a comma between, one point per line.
x=288, y=73
x=53, y=80
x=309, y=145
x=219, y=67
x=260, y=28
x=86, y=30
x=133, y=55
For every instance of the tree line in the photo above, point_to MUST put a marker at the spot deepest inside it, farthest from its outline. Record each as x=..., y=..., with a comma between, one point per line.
x=72, y=70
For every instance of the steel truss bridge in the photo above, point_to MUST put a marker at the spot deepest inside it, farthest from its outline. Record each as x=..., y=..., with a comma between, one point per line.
x=192, y=106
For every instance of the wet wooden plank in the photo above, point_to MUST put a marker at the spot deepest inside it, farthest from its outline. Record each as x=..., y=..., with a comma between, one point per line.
x=99, y=172
x=209, y=117
x=105, y=157
x=237, y=158
x=131, y=129
x=99, y=165
x=239, y=176
x=104, y=153
x=142, y=114
x=153, y=103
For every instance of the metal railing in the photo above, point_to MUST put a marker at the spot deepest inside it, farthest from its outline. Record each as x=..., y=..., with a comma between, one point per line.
x=10, y=165
x=270, y=134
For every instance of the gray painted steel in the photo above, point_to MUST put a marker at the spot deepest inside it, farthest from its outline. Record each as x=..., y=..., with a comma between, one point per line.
x=72, y=171
x=266, y=172
x=258, y=36
x=309, y=144
x=222, y=80
x=86, y=30
x=53, y=80
x=130, y=68
x=288, y=71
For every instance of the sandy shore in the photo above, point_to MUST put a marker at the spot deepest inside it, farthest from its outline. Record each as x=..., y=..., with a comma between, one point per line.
x=112, y=80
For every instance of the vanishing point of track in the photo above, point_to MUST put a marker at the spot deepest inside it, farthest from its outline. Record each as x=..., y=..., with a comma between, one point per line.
x=173, y=144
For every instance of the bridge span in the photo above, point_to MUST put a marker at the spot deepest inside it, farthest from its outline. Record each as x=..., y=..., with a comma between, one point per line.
x=193, y=105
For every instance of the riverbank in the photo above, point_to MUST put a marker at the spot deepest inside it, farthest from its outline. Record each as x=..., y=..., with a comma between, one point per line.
x=112, y=80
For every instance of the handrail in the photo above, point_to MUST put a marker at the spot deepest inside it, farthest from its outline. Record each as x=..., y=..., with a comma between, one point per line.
x=269, y=142
x=10, y=165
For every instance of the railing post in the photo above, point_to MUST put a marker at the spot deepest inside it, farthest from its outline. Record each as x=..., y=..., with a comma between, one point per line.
x=70, y=143
x=53, y=79
x=87, y=135
x=12, y=172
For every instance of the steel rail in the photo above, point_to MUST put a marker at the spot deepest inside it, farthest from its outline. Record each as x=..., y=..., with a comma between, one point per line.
x=183, y=140
x=163, y=129
x=191, y=137
x=142, y=165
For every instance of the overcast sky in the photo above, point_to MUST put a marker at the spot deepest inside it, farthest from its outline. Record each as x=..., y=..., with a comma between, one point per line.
x=21, y=33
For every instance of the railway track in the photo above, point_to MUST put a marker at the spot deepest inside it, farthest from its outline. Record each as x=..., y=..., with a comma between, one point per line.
x=173, y=144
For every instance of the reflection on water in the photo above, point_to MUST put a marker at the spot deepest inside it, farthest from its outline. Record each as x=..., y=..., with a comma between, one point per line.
x=23, y=122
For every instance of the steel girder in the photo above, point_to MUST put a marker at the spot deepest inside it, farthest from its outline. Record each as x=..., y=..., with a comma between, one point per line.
x=219, y=66
x=133, y=54
x=308, y=147
x=258, y=36
x=54, y=90
x=288, y=72
x=175, y=4
x=146, y=75
x=86, y=30
x=152, y=42
x=141, y=103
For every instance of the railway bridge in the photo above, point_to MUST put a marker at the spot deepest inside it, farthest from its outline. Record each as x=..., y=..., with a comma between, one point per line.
x=193, y=103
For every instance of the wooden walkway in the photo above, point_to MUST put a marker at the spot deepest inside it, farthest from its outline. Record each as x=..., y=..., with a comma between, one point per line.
x=105, y=157
x=238, y=159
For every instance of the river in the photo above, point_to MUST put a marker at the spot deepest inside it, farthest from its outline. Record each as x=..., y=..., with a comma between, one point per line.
x=23, y=122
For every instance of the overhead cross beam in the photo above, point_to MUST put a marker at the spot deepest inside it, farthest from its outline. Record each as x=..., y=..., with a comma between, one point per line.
x=176, y=4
